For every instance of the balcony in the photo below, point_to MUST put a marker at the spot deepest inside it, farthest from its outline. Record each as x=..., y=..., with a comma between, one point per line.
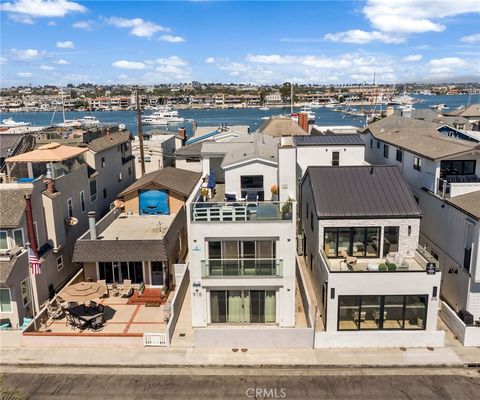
x=258, y=267
x=455, y=185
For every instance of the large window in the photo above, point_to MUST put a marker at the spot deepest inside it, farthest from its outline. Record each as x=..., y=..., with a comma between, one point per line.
x=116, y=272
x=358, y=241
x=25, y=290
x=243, y=306
x=390, y=239
x=252, y=183
x=3, y=240
x=457, y=167
x=382, y=312
x=335, y=158
x=18, y=237
x=5, y=300
x=93, y=190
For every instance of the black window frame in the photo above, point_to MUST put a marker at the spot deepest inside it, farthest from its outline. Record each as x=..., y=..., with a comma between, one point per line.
x=335, y=158
x=336, y=231
x=417, y=163
x=386, y=150
x=399, y=156
x=447, y=167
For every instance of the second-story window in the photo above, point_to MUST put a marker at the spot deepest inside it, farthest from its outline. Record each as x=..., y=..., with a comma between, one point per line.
x=335, y=158
x=70, y=207
x=371, y=143
x=93, y=190
x=378, y=144
x=417, y=163
x=399, y=156
x=18, y=237
x=3, y=240
x=105, y=193
x=385, y=150
x=311, y=221
x=103, y=162
x=82, y=201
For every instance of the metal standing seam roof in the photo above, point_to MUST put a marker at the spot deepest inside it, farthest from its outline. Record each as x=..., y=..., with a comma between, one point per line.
x=361, y=192
x=12, y=206
x=329, y=140
x=179, y=180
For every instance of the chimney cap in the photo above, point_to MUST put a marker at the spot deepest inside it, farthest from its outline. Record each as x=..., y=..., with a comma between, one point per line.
x=91, y=213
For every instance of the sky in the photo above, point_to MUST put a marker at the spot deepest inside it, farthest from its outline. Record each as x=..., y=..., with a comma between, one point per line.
x=261, y=42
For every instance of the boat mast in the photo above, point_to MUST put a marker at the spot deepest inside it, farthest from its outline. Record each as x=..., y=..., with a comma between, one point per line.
x=140, y=133
x=291, y=98
x=63, y=105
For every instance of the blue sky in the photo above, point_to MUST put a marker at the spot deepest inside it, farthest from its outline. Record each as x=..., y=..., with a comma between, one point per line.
x=62, y=41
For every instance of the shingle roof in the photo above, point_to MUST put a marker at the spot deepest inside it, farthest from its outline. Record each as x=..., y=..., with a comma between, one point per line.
x=193, y=149
x=6, y=268
x=12, y=206
x=119, y=250
x=361, y=192
x=470, y=203
x=8, y=142
x=176, y=179
x=471, y=111
x=327, y=140
x=104, y=142
x=419, y=137
x=281, y=126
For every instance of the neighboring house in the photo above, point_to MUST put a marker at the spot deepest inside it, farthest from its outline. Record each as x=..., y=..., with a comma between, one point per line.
x=55, y=177
x=282, y=126
x=360, y=228
x=189, y=157
x=444, y=175
x=144, y=236
x=242, y=249
x=158, y=150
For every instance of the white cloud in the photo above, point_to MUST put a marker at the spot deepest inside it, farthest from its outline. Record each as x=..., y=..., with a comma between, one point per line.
x=122, y=77
x=61, y=62
x=471, y=38
x=413, y=16
x=66, y=45
x=46, y=67
x=3, y=60
x=361, y=37
x=42, y=8
x=27, y=54
x=301, y=40
x=138, y=26
x=23, y=19
x=86, y=25
x=447, y=62
x=128, y=64
x=210, y=60
x=412, y=57
x=172, y=39
x=24, y=74
x=172, y=60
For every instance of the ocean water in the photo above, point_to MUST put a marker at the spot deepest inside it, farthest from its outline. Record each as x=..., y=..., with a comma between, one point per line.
x=215, y=117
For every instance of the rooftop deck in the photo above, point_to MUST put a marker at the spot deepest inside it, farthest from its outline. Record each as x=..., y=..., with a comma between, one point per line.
x=138, y=227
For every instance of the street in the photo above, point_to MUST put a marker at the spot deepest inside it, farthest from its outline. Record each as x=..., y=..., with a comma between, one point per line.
x=238, y=383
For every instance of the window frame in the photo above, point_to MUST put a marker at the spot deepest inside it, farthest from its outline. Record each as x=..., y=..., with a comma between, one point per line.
x=399, y=156
x=10, y=297
x=6, y=239
x=83, y=205
x=386, y=151
x=23, y=236
x=70, y=207
x=93, y=197
x=335, y=158
x=28, y=294
x=417, y=163
x=59, y=265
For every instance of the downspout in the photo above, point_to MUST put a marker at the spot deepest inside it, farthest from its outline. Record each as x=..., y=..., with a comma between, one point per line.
x=30, y=226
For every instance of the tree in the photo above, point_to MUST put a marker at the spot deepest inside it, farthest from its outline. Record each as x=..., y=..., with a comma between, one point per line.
x=285, y=90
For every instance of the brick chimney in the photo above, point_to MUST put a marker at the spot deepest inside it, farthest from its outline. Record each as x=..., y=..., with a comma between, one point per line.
x=49, y=179
x=390, y=110
x=182, y=134
x=303, y=121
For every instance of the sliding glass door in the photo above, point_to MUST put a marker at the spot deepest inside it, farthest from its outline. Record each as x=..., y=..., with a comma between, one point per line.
x=243, y=306
x=358, y=241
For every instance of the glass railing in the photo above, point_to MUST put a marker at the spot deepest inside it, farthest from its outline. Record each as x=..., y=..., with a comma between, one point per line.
x=267, y=267
x=241, y=211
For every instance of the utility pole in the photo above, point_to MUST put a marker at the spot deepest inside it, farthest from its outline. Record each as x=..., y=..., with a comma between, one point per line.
x=140, y=133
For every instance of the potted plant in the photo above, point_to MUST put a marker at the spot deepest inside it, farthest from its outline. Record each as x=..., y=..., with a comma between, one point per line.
x=287, y=209
x=204, y=194
x=383, y=267
x=274, y=190
x=392, y=266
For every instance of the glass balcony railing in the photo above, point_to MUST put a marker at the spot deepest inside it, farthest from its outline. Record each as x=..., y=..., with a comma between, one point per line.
x=241, y=211
x=258, y=267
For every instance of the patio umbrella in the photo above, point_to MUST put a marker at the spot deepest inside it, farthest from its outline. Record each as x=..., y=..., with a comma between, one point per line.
x=83, y=292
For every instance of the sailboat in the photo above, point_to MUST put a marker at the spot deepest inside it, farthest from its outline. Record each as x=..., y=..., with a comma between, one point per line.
x=67, y=123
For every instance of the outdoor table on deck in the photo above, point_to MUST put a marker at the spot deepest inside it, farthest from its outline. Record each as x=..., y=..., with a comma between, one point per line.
x=85, y=313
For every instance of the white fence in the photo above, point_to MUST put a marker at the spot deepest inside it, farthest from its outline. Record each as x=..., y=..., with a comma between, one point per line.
x=156, y=339
x=467, y=335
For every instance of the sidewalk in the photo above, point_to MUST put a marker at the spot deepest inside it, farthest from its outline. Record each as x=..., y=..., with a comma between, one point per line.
x=184, y=357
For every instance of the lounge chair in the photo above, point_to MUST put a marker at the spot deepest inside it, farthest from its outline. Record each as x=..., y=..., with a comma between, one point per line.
x=5, y=325
x=104, y=283
x=25, y=323
x=348, y=259
x=127, y=289
x=229, y=197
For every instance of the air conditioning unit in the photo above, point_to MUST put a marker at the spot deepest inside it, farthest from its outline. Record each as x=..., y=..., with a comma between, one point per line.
x=300, y=245
x=466, y=317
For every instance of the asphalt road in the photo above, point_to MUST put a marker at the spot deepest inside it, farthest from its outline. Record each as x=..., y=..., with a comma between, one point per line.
x=370, y=384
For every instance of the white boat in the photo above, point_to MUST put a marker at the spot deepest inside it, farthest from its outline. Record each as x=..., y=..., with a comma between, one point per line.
x=10, y=123
x=439, y=107
x=89, y=120
x=164, y=116
x=70, y=123
x=406, y=107
x=264, y=108
x=315, y=104
x=331, y=104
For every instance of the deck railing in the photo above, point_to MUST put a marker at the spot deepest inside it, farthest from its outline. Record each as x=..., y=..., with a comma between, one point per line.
x=266, y=267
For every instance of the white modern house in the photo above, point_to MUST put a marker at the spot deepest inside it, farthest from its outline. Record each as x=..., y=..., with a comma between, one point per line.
x=375, y=287
x=443, y=174
x=242, y=250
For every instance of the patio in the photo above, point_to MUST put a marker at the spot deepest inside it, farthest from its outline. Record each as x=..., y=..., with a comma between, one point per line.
x=120, y=319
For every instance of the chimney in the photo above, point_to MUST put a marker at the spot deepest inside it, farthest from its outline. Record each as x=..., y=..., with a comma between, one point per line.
x=91, y=225
x=109, y=135
x=30, y=227
x=182, y=133
x=390, y=110
x=49, y=179
x=303, y=121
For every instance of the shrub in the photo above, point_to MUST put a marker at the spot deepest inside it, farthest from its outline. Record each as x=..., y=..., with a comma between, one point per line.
x=392, y=267
x=383, y=267
x=274, y=189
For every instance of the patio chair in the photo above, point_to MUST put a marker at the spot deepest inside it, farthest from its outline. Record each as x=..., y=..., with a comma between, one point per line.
x=104, y=283
x=127, y=289
x=97, y=324
x=54, y=311
x=251, y=197
x=229, y=197
x=348, y=259
x=25, y=323
x=5, y=325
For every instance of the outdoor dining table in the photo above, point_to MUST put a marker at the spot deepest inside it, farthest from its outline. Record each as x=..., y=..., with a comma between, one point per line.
x=85, y=313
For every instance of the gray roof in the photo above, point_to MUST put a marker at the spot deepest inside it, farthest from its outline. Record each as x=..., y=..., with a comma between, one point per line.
x=469, y=203
x=6, y=268
x=419, y=137
x=251, y=147
x=329, y=140
x=471, y=111
x=194, y=149
x=12, y=206
x=103, y=142
x=119, y=250
x=179, y=180
x=8, y=143
x=361, y=192
x=281, y=126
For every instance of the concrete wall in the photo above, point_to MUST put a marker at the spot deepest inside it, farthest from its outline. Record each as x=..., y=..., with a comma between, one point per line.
x=160, y=152
x=467, y=335
x=181, y=162
x=181, y=290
